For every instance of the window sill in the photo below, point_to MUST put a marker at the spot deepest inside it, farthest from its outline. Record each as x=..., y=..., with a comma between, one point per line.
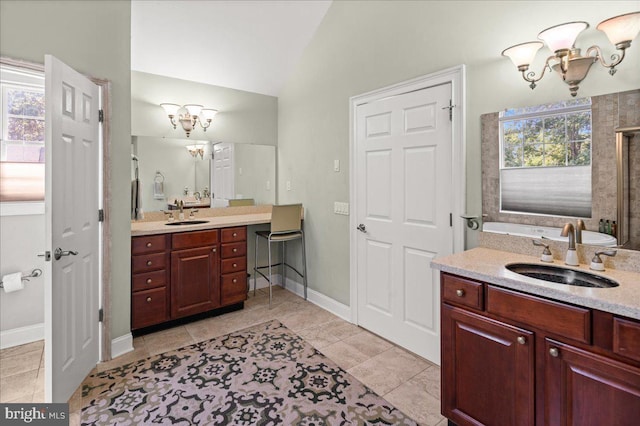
x=23, y=208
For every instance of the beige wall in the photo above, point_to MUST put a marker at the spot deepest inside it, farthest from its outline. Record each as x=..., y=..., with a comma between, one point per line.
x=362, y=46
x=94, y=38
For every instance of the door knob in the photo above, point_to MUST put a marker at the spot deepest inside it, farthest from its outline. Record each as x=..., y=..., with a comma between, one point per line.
x=58, y=253
x=362, y=228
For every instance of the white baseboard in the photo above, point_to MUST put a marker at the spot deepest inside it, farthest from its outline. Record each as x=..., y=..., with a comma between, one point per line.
x=121, y=345
x=21, y=335
x=317, y=298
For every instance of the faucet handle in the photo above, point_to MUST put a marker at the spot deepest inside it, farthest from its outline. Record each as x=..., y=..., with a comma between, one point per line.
x=546, y=253
x=596, y=262
x=170, y=213
x=191, y=213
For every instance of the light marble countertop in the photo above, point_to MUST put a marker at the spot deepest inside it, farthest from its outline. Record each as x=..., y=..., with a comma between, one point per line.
x=488, y=265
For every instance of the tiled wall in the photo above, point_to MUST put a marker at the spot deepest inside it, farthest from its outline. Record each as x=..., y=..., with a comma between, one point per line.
x=608, y=113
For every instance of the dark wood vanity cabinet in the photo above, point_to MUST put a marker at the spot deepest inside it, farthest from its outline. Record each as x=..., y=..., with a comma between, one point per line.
x=186, y=273
x=510, y=358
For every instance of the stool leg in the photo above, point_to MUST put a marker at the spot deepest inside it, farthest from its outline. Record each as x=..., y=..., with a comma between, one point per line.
x=304, y=267
x=270, y=276
x=255, y=266
x=284, y=264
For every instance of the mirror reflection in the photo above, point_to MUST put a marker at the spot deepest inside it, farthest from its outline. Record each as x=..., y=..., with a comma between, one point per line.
x=201, y=173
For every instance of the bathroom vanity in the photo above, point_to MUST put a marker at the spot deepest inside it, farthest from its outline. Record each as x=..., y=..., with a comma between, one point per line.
x=515, y=351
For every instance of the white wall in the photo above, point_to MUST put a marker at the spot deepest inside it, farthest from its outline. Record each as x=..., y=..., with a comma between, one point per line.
x=94, y=38
x=361, y=46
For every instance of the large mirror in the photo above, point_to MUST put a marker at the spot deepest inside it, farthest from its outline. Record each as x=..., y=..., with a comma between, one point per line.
x=184, y=169
x=608, y=113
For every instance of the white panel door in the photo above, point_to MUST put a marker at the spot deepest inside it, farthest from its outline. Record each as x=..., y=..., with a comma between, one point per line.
x=404, y=201
x=223, y=178
x=72, y=201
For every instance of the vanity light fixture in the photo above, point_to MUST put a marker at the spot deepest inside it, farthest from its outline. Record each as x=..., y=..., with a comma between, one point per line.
x=566, y=59
x=196, y=150
x=191, y=115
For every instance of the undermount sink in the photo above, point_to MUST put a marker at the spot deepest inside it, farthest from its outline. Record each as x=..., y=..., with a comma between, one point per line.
x=560, y=275
x=186, y=222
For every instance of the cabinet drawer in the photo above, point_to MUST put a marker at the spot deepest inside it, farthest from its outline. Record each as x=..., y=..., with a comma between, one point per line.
x=194, y=239
x=236, y=264
x=554, y=317
x=148, y=262
x=234, y=288
x=148, y=244
x=461, y=291
x=230, y=235
x=234, y=249
x=626, y=338
x=149, y=307
x=149, y=280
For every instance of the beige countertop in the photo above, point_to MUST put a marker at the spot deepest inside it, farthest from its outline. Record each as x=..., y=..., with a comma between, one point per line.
x=488, y=265
x=156, y=222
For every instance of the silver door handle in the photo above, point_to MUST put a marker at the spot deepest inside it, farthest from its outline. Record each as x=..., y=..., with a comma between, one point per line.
x=362, y=228
x=58, y=253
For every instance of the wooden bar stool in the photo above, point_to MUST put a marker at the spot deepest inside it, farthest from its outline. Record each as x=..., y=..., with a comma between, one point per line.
x=286, y=225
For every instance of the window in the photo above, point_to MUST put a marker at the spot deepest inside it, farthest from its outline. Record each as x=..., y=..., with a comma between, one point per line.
x=23, y=135
x=545, y=165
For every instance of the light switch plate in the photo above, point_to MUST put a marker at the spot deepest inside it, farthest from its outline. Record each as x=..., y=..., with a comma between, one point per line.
x=341, y=208
x=336, y=165
x=288, y=185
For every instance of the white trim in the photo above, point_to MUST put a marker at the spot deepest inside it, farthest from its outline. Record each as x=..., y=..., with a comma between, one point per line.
x=455, y=76
x=22, y=208
x=21, y=335
x=121, y=345
x=317, y=298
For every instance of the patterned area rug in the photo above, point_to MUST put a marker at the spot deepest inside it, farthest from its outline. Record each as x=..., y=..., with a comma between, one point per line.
x=262, y=375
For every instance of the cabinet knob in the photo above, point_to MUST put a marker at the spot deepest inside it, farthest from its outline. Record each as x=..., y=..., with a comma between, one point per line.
x=235, y=280
x=459, y=292
x=235, y=234
x=213, y=249
x=148, y=299
x=521, y=340
x=149, y=263
x=235, y=265
x=554, y=352
x=149, y=244
x=235, y=250
x=149, y=280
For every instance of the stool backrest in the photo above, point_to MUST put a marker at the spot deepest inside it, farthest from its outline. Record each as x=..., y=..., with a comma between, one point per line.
x=286, y=218
x=242, y=202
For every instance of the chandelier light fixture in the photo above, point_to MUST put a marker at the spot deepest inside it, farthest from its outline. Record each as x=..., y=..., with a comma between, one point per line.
x=567, y=60
x=196, y=150
x=192, y=114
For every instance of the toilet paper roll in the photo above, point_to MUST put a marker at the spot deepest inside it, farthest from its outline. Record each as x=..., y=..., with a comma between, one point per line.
x=12, y=282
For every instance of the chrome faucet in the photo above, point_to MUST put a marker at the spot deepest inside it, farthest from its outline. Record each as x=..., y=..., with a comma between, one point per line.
x=572, y=257
x=579, y=228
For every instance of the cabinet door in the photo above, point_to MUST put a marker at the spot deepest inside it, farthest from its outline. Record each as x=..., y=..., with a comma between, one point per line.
x=586, y=389
x=194, y=281
x=487, y=370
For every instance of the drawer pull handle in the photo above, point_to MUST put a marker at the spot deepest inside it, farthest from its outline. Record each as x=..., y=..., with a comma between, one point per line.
x=149, y=244
x=149, y=263
x=554, y=352
x=213, y=249
x=235, y=280
x=149, y=280
x=235, y=265
x=459, y=292
x=148, y=299
x=235, y=250
x=521, y=340
x=235, y=234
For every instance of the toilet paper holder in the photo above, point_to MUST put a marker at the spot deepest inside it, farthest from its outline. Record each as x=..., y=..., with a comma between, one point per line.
x=34, y=274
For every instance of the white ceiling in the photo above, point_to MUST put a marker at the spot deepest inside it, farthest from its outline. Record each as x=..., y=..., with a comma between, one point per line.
x=242, y=44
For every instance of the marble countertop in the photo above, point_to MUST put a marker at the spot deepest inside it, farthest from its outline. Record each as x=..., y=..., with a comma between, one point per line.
x=488, y=265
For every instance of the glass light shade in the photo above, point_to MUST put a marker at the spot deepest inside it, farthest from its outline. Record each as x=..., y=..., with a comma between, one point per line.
x=193, y=109
x=208, y=113
x=522, y=54
x=563, y=36
x=171, y=109
x=622, y=28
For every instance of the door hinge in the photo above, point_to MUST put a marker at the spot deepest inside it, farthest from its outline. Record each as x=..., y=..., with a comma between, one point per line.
x=101, y=116
x=450, y=108
x=100, y=215
x=451, y=219
x=100, y=315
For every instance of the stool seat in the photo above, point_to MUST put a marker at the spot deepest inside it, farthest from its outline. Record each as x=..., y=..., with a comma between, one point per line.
x=286, y=225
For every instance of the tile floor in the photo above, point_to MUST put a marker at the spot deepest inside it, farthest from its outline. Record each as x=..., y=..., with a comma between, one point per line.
x=409, y=382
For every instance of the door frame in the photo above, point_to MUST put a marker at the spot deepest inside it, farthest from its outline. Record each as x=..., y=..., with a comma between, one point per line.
x=105, y=201
x=455, y=76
